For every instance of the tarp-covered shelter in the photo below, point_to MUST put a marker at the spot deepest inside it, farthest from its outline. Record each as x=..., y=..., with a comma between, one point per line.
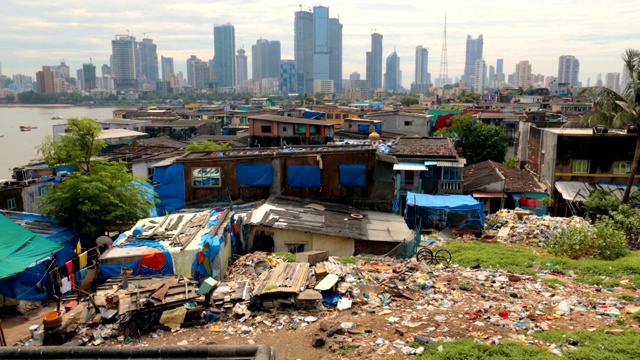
x=24, y=257
x=168, y=181
x=194, y=244
x=444, y=211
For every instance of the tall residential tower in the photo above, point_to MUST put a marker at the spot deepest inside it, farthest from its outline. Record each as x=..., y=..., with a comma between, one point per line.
x=473, y=53
x=224, y=58
x=374, y=62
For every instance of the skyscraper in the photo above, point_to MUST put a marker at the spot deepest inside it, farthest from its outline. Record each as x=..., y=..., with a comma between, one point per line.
x=335, y=53
x=167, y=68
x=89, y=76
x=303, y=51
x=321, y=43
x=523, y=75
x=44, y=79
x=473, y=53
x=392, y=81
x=197, y=73
x=224, y=61
x=568, y=70
x=123, y=50
x=422, y=66
x=241, y=68
x=265, y=59
x=612, y=81
x=148, y=60
x=287, y=76
x=499, y=66
x=374, y=61
x=479, y=75
x=106, y=70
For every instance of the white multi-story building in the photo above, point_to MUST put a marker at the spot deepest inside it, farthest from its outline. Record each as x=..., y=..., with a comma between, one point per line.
x=480, y=75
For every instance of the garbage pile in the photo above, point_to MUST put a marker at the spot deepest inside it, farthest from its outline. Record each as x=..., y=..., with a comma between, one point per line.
x=523, y=228
x=381, y=307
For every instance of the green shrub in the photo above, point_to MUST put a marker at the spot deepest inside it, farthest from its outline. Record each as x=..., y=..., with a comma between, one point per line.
x=628, y=220
x=604, y=240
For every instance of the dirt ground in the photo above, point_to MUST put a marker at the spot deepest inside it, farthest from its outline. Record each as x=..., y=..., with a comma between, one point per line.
x=443, y=314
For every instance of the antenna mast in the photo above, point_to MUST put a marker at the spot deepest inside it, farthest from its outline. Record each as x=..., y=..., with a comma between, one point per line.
x=443, y=58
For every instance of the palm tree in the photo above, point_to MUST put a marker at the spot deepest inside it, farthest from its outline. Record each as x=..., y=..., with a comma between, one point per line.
x=619, y=109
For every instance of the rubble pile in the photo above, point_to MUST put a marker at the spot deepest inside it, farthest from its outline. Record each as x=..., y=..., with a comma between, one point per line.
x=522, y=228
x=372, y=306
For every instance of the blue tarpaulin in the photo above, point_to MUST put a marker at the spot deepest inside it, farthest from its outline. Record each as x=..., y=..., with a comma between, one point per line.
x=170, y=187
x=303, y=176
x=442, y=211
x=310, y=114
x=211, y=246
x=113, y=270
x=353, y=174
x=254, y=174
x=363, y=127
x=29, y=285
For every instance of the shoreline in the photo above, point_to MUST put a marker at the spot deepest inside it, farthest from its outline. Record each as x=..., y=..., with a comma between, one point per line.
x=36, y=105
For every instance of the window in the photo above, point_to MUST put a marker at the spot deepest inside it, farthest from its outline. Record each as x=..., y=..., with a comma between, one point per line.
x=284, y=128
x=206, y=176
x=265, y=129
x=451, y=173
x=150, y=173
x=408, y=179
x=580, y=166
x=408, y=123
x=295, y=248
x=329, y=116
x=11, y=204
x=621, y=167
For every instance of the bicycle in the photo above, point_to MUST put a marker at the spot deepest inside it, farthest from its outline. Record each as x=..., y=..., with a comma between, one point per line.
x=441, y=256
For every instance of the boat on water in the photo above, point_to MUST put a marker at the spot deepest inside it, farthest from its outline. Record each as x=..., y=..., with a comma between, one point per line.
x=27, y=128
x=57, y=117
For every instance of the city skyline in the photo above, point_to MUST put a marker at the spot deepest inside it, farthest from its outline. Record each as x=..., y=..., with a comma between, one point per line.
x=38, y=33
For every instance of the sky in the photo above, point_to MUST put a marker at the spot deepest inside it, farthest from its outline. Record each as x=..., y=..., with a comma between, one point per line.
x=38, y=32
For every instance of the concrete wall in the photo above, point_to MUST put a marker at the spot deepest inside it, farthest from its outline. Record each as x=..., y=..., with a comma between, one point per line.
x=416, y=124
x=548, y=158
x=31, y=193
x=523, y=143
x=335, y=245
x=225, y=253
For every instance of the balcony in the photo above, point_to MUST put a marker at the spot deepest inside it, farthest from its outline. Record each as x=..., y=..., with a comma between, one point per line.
x=452, y=187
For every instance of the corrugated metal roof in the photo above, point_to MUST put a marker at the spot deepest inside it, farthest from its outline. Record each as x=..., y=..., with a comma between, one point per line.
x=285, y=278
x=449, y=163
x=410, y=166
x=574, y=190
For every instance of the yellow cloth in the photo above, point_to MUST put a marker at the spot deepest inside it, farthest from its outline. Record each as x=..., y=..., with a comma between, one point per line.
x=83, y=260
x=78, y=248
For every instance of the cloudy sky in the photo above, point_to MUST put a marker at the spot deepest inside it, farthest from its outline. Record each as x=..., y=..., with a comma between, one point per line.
x=38, y=32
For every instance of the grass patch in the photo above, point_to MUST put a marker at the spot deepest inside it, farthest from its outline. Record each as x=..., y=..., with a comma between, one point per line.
x=635, y=316
x=348, y=350
x=553, y=283
x=520, y=260
x=627, y=297
x=286, y=256
x=591, y=345
x=346, y=260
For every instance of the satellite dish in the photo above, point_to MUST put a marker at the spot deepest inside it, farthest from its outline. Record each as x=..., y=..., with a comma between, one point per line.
x=104, y=240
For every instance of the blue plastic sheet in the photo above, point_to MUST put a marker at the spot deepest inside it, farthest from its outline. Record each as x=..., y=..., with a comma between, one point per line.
x=211, y=246
x=457, y=211
x=353, y=174
x=254, y=174
x=303, y=176
x=111, y=270
x=24, y=286
x=363, y=127
x=170, y=187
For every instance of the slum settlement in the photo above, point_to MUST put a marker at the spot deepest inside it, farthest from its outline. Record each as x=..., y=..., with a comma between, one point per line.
x=339, y=235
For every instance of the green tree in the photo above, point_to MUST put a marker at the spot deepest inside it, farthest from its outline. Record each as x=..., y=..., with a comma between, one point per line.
x=409, y=100
x=601, y=202
x=511, y=162
x=106, y=197
x=100, y=195
x=76, y=147
x=207, y=146
x=486, y=142
x=619, y=109
x=478, y=142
